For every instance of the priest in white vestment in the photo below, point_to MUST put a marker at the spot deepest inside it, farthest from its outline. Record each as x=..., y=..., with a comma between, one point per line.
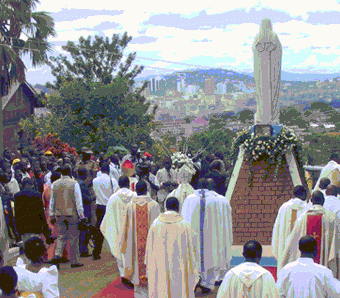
x=332, y=202
x=249, y=279
x=304, y=278
x=288, y=213
x=114, y=220
x=211, y=219
x=172, y=256
x=324, y=226
x=140, y=214
x=4, y=237
x=331, y=171
x=184, y=188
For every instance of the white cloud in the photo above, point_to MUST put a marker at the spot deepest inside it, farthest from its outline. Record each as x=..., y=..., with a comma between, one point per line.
x=88, y=22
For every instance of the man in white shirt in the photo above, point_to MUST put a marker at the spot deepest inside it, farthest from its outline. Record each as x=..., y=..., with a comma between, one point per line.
x=104, y=187
x=66, y=209
x=115, y=170
x=332, y=203
x=143, y=173
x=288, y=213
x=249, y=279
x=166, y=178
x=113, y=223
x=172, y=238
x=167, y=174
x=304, y=278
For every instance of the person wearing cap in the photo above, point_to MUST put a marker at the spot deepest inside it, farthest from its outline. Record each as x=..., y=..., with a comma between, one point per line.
x=304, y=277
x=90, y=165
x=48, y=153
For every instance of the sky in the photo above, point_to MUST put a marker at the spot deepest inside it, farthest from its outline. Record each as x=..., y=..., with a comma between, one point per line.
x=171, y=36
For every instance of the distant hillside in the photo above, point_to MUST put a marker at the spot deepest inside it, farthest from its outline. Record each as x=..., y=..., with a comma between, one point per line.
x=221, y=74
x=42, y=88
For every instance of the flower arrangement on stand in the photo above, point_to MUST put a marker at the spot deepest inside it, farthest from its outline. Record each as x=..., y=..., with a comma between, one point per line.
x=180, y=159
x=270, y=148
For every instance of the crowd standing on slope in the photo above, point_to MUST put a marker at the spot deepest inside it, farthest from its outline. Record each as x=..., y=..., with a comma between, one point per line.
x=56, y=209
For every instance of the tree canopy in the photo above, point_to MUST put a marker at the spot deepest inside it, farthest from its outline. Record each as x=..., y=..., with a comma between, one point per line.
x=17, y=19
x=93, y=105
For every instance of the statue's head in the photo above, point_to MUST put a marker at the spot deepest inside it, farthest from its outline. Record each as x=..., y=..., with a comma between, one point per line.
x=266, y=25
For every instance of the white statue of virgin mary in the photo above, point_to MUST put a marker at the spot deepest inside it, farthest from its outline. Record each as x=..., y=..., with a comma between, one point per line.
x=267, y=50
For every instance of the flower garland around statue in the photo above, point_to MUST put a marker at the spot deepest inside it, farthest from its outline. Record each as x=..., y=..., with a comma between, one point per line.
x=271, y=148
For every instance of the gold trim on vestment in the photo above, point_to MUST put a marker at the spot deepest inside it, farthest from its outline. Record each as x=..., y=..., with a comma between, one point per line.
x=294, y=215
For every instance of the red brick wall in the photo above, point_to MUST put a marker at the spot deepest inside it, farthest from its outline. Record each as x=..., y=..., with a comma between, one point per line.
x=254, y=209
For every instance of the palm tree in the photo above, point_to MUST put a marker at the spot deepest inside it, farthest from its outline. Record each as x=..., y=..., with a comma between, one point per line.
x=17, y=20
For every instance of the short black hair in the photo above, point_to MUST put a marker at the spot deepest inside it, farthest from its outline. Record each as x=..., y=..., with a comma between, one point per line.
x=332, y=190
x=26, y=181
x=172, y=203
x=82, y=171
x=65, y=170
x=300, y=192
x=34, y=249
x=211, y=185
x=141, y=187
x=203, y=183
x=124, y=181
x=318, y=198
x=114, y=159
x=252, y=249
x=105, y=168
x=55, y=176
x=324, y=182
x=334, y=156
x=308, y=245
x=8, y=280
x=104, y=160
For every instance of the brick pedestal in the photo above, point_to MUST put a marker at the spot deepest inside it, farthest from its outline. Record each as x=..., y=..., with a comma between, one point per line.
x=255, y=209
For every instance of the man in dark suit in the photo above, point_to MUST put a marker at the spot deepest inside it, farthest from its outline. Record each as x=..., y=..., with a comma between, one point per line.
x=29, y=212
x=219, y=179
x=88, y=199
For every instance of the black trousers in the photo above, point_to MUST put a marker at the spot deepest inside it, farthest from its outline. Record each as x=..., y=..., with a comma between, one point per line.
x=99, y=238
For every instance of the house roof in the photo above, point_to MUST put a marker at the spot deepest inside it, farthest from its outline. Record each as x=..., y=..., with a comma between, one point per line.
x=200, y=121
x=14, y=88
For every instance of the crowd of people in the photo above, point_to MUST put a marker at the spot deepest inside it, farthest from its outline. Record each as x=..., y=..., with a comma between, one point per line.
x=170, y=230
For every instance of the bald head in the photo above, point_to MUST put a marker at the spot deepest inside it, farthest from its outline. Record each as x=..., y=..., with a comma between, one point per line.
x=332, y=190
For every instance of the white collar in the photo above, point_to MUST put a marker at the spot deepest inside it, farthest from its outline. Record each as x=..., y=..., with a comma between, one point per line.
x=332, y=198
x=170, y=212
x=305, y=260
